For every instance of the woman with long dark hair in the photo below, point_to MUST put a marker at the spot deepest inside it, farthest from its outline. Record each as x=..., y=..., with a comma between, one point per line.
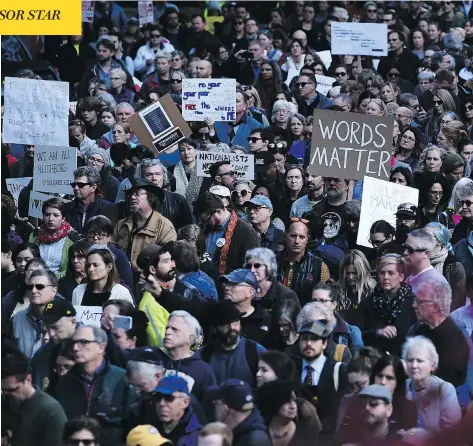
x=433, y=198
x=269, y=83
x=75, y=273
x=410, y=146
x=402, y=175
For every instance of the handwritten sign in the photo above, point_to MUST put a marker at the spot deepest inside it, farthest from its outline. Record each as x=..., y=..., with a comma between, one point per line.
x=324, y=83
x=88, y=8
x=380, y=201
x=53, y=169
x=359, y=39
x=89, y=315
x=36, y=112
x=350, y=146
x=209, y=98
x=36, y=203
x=16, y=185
x=145, y=13
x=243, y=165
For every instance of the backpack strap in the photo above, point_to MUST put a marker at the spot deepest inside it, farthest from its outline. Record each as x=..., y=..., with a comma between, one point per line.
x=252, y=357
x=336, y=375
x=339, y=351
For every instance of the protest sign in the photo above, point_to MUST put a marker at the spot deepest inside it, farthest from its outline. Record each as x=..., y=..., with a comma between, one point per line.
x=359, y=39
x=350, y=146
x=326, y=57
x=209, y=98
x=73, y=107
x=54, y=168
x=15, y=185
x=160, y=126
x=380, y=201
x=36, y=112
x=145, y=13
x=88, y=9
x=243, y=165
x=89, y=315
x=324, y=83
x=36, y=203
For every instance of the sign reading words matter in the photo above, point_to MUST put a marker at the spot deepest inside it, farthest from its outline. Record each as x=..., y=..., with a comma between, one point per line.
x=89, y=315
x=243, y=165
x=36, y=112
x=350, y=146
x=380, y=201
x=209, y=98
x=53, y=169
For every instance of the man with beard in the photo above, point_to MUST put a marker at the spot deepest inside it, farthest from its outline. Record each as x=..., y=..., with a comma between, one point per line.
x=315, y=193
x=87, y=202
x=406, y=221
x=231, y=355
x=24, y=167
x=145, y=225
x=324, y=380
x=227, y=236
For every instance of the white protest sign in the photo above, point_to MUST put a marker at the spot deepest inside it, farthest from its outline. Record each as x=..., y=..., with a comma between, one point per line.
x=326, y=57
x=73, y=107
x=15, y=185
x=243, y=165
x=36, y=203
x=360, y=39
x=209, y=98
x=88, y=8
x=380, y=202
x=324, y=83
x=89, y=315
x=36, y=112
x=145, y=13
x=54, y=168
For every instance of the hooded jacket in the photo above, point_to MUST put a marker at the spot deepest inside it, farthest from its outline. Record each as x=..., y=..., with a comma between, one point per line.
x=251, y=432
x=145, y=52
x=186, y=433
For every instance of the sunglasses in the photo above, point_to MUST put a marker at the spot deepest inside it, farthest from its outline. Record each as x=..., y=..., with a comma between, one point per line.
x=177, y=81
x=80, y=185
x=38, y=286
x=438, y=102
x=238, y=22
x=242, y=193
x=469, y=107
x=255, y=265
x=371, y=11
x=340, y=74
x=302, y=84
x=156, y=36
x=77, y=442
x=161, y=396
x=412, y=250
x=244, y=88
x=253, y=139
x=393, y=74
x=177, y=59
x=462, y=203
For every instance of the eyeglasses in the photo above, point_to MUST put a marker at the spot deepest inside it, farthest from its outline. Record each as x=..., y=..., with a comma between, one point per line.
x=79, y=441
x=80, y=185
x=38, y=286
x=138, y=193
x=302, y=84
x=341, y=74
x=322, y=301
x=376, y=243
x=255, y=265
x=82, y=342
x=94, y=235
x=161, y=396
x=301, y=220
x=408, y=138
x=421, y=301
x=412, y=250
x=258, y=208
x=242, y=193
x=231, y=173
x=393, y=74
x=437, y=102
x=177, y=81
x=462, y=203
x=371, y=11
x=443, y=122
x=96, y=161
x=253, y=139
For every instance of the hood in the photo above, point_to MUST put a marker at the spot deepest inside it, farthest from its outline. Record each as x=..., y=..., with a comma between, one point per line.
x=253, y=423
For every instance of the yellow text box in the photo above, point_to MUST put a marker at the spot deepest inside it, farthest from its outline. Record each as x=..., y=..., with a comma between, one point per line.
x=48, y=17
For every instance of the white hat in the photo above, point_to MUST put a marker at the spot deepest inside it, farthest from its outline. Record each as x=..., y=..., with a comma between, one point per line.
x=221, y=191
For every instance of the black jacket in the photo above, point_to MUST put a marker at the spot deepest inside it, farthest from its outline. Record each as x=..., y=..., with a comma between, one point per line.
x=176, y=209
x=110, y=185
x=272, y=238
x=74, y=213
x=408, y=64
x=70, y=64
x=251, y=431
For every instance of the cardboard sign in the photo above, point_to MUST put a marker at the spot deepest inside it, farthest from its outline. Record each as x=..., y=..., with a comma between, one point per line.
x=243, y=165
x=88, y=9
x=15, y=186
x=36, y=112
x=324, y=83
x=360, y=39
x=145, y=13
x=89, y=315
x=53, y=169
x=209, y=98
x=350, y=146
x=36, y=203
x=380, y=201
x=160, y=126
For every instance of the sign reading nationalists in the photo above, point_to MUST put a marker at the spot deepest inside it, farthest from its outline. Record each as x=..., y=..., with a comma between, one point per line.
x=380, y=201
x=359, y=39
x=54, y=168
x=36, y=203
x=16, y=185
x=243, y=165
x=209, y=98
x=36, y=112
x=350, y=146
x=89, y=315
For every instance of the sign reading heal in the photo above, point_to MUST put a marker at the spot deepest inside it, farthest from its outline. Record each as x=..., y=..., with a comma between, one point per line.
x=36, y=112
x=54, y=168
x=89, y=315
x=359, y=39
x=209, y=98
x=16, y=185
x=350, y=146
x=243, y=165
x=36, y=203
x=380, y=201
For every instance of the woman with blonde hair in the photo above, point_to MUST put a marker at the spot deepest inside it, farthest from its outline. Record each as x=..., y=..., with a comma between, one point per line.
x=390, y=93
x=443, y=102
x=355, y=285
x=450, y=135
x=376, y=107
x=207, y=436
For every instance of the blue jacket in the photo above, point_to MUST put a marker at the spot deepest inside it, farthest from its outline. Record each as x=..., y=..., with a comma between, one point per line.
x=251, y=431
x=117, y=16
x=463, y=255
x=186, y=433
x=203, y=283
x=247, y=124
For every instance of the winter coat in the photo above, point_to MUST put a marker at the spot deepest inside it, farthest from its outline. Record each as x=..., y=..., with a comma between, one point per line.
x=158, y=318
x=251, y=432
x=454, y=272
x=320, y=101
x=25, y=329
x=110, y=185
x=145, y=52
x=176, y=209
x=246, y=125
x=464, y=256
x=119, y=292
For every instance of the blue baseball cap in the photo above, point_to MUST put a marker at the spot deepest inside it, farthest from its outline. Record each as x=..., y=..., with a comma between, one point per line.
x=259, y=200
x=170, y=384
x=241, y=276
x=236, y=394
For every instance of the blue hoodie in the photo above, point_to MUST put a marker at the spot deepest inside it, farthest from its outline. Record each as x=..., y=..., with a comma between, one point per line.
x=251, y=431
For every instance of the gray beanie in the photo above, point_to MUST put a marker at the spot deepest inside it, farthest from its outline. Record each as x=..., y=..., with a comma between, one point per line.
x=102, y=153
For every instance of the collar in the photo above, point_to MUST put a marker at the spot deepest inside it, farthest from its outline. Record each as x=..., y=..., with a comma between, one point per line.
x=223, y=225
x=316, y=364
x=422, y=272
x=96, y=373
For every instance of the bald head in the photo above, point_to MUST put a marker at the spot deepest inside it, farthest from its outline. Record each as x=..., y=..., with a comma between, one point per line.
x=204, y=69
x=405, y=115
x=299, y=35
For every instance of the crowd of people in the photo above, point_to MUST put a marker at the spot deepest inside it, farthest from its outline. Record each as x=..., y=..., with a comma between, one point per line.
x=237, y=312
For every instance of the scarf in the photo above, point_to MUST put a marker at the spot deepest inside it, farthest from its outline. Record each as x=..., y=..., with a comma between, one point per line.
x=389, y=309
x=222, y=264
x=437, y=260
x=187, y=188
x=47, y=237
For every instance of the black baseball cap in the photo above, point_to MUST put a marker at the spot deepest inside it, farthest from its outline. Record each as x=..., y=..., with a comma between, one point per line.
x=57, y=309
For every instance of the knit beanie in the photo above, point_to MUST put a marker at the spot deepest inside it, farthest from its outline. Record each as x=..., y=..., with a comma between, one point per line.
x=119, y=152
x=102, y=153
x=452, y=160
